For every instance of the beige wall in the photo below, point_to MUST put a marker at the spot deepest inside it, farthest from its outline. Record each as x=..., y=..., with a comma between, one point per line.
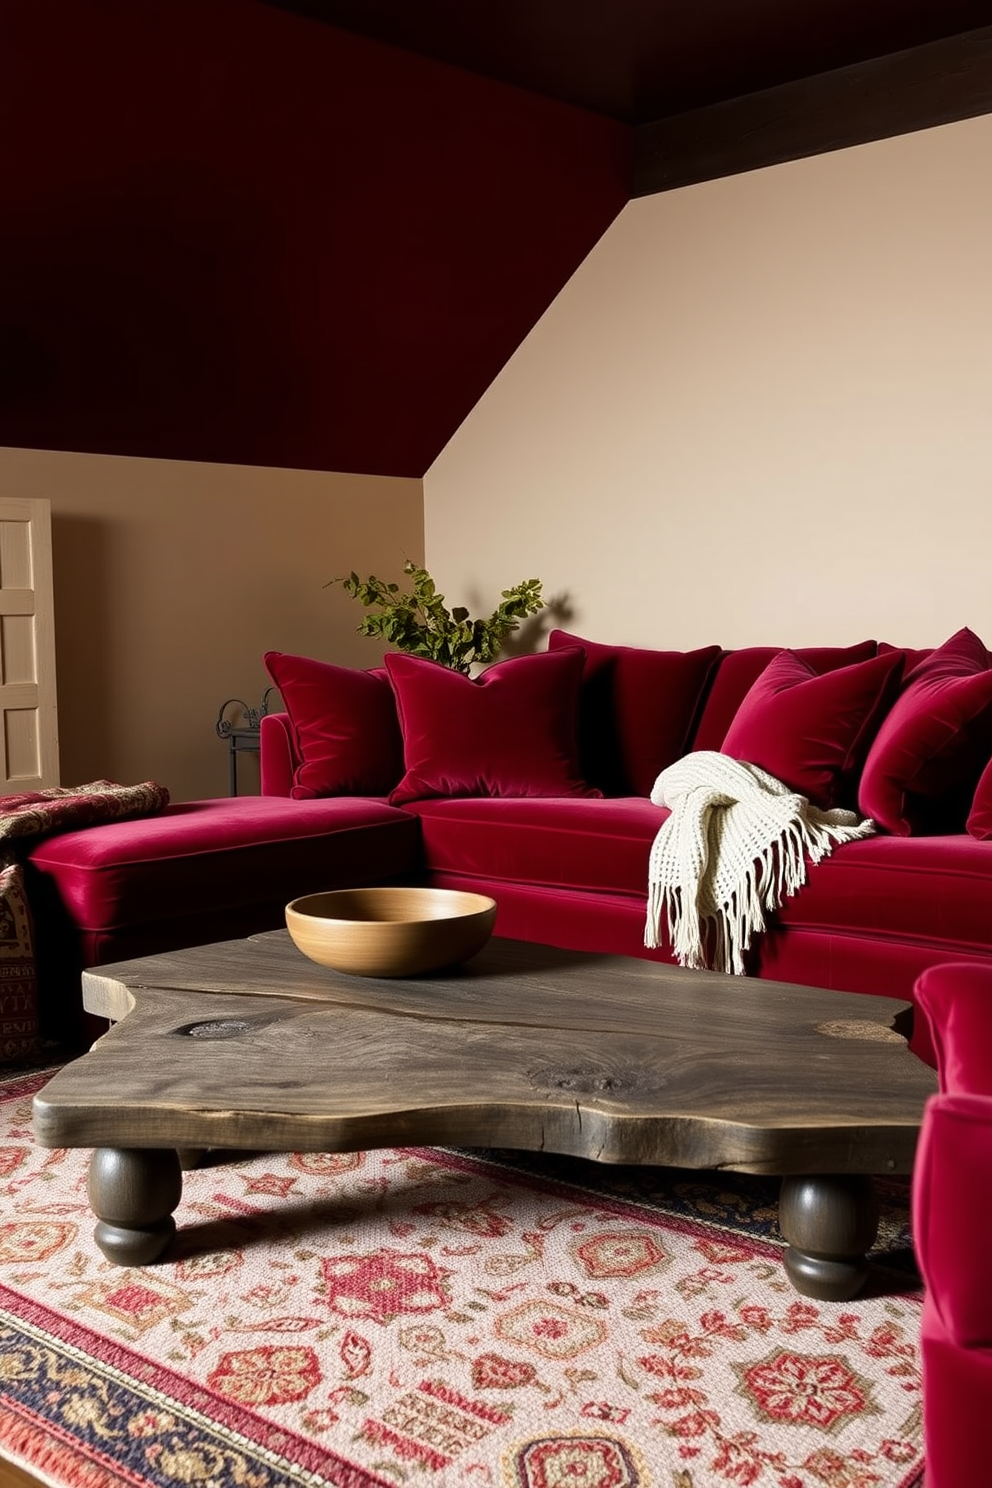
x=172, y=579
x=759, y=412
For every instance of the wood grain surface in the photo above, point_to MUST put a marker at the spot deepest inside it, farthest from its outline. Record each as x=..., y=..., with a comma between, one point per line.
x=247, y=1044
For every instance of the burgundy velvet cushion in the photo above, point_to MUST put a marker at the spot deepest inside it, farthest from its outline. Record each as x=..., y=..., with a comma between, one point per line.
x=636, y=710
x=813, y=731
x=346, y=731
x=979, y=821
x=509, y=732
x=739, y=670
x=922, y=770
x=912, y=656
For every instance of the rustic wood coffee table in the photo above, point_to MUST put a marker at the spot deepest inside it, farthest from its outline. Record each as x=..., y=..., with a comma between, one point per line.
x=247, y=1045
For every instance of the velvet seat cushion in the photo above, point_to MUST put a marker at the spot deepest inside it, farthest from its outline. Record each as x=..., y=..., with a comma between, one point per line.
x=637, y=709
x=346, y=732
x=922, y=770
x=598, y=845
x=201, y=857
x=810, y=730
x=510, y=732
x=737, y=671
x=932, y=893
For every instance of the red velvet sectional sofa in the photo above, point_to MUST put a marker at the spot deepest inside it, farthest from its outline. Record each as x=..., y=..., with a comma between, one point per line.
x=531, y=783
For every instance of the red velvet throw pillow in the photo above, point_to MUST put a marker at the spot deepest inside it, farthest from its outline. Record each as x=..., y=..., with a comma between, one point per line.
x=344, y=720
x=812, y=731
x=509, y=732
x=739, y=670
x=912, y=656
x=636, y=710
x=921, y=771
x=979, y=821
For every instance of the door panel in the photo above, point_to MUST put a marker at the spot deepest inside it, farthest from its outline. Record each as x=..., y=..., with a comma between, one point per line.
x=29, y=746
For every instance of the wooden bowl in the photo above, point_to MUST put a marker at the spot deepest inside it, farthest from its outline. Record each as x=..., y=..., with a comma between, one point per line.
x=390, y=932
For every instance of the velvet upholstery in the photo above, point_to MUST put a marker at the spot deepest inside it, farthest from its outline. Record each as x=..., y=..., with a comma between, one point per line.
x=737, y=671
x=812, y=730
x=278, y=757
x=936, y=895
x=575, y=919
x=979, y=822
x=637, y=709
x=869, y=887
x=912, y=656
x=346, y=729
x=952, y=1222
x=597, y=845
x=922, y=770
x=510, y=732
x=226, y=853
x=956, y=1003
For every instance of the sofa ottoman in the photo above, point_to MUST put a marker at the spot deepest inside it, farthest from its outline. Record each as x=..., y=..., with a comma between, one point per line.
x=199, y=871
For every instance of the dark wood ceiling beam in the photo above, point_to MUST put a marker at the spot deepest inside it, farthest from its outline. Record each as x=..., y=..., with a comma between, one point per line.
x=915, y=89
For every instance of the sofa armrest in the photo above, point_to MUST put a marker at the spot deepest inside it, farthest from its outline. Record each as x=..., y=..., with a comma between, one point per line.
x=955, y=1000
x=952, y=1215
x=277, y=748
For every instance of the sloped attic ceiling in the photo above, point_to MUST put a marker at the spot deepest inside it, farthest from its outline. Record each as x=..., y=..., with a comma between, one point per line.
x=310, y=233
x=642, y=60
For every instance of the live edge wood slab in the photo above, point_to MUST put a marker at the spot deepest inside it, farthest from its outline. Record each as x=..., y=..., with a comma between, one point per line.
x=247, y=1045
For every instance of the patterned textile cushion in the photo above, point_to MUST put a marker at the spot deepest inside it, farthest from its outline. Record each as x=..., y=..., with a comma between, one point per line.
x=510, y=732
x=344, y=721
x=28, y=817
x=62, y=808
x=812, y=731
x=922, y=770
x=636, y=710
x=18, y=977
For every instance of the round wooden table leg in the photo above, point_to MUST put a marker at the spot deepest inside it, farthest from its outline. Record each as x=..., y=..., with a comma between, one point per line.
x=830, y=1221
x=133, y=1192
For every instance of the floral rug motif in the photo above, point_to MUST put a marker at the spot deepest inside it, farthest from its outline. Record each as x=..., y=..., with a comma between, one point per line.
x=432, y=1317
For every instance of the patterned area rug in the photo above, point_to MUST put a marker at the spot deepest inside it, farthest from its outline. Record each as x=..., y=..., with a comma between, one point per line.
x=433, y=1317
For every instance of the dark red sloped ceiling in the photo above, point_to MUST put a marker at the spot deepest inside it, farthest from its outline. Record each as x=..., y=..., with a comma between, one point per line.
x=643, y=60
x=231, y=233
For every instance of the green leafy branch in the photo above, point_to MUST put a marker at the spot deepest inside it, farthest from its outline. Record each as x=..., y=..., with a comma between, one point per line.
x=420, y=623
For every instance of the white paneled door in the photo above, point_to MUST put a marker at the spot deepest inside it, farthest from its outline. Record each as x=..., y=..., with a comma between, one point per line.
x=29, y=736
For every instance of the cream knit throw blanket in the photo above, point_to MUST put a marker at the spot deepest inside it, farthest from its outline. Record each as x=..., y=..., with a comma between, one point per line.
x=736, y=843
